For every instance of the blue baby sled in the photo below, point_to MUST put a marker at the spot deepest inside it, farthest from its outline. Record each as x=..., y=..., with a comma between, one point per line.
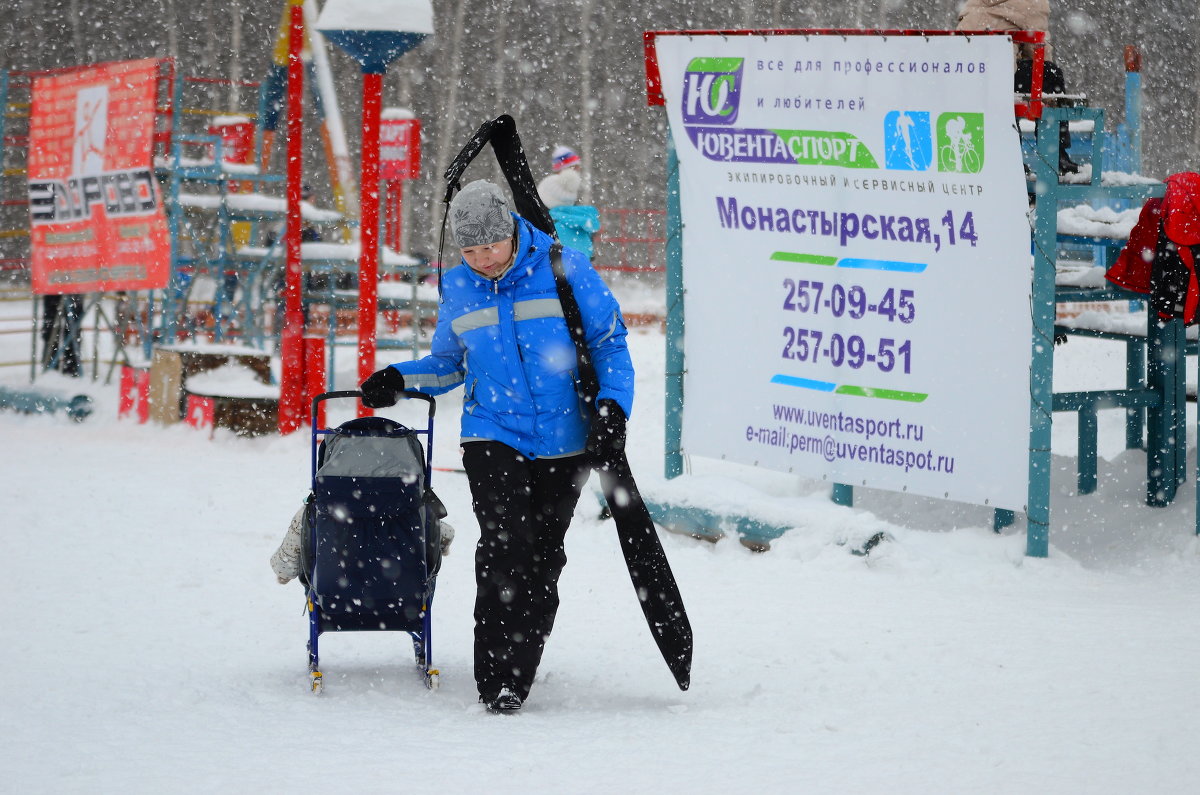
x=372, y=542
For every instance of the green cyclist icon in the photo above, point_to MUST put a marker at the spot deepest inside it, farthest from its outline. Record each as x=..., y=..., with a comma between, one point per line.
x=960, y=142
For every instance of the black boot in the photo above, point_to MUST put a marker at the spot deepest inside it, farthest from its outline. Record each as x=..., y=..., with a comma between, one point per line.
x=506, y=701
x=1065, y=164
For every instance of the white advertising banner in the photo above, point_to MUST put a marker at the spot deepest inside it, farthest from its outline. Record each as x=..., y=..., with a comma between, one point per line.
x=856, y=259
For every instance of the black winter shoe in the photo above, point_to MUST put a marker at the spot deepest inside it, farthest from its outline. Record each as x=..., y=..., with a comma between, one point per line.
x=505, y=702
x=1066, y=165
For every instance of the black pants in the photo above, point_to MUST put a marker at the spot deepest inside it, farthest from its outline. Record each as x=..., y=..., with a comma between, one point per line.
x=1053, y=82
x=523, y=508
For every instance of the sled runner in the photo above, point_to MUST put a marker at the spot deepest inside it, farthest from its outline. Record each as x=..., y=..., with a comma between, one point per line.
x=372, y=545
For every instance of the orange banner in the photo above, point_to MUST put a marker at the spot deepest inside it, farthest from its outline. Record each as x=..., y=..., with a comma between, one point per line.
x=96, y=214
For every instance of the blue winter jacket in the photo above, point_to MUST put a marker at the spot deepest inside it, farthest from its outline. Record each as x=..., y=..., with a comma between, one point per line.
x=575, y=224
x=507, y=343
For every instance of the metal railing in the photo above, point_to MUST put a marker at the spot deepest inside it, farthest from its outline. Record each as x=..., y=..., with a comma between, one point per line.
x=631, y=240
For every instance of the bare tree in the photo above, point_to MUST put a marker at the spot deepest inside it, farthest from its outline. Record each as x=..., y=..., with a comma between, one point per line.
x=235, y=54
x=81, y=55
x=587, y=101
x=749, y=16
x=446, y=128
x=1194, y=157
x=169, y=20
x=500, y=50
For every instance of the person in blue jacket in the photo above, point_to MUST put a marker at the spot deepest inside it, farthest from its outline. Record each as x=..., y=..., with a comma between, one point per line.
x=577, y=224
x=528, y=438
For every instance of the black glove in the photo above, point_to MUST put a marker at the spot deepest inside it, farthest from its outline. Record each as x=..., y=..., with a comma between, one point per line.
x=382, y=388
x=606, y=436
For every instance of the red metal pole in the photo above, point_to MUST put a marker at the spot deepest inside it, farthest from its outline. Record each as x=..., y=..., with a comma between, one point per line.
x=368, y=263
x=1035, y=81
x=314, y=374
x=291, y=390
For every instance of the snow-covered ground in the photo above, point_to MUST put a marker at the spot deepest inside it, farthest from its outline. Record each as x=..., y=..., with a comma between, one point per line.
x=148, y=648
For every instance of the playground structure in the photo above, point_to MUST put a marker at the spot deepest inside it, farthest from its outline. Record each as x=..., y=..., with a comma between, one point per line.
x=1154, y=394
x=226, y=214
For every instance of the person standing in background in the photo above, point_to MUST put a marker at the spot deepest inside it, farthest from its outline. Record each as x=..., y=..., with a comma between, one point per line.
x=577, y=224
x=61, y=332
x=1008, y=15
x=1023, y=15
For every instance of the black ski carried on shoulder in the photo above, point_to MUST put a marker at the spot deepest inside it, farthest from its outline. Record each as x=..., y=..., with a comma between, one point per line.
x=662, y=604
x=653, y=581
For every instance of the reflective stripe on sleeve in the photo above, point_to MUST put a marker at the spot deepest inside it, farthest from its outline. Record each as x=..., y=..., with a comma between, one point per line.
x=611, y=330
x=432, y=380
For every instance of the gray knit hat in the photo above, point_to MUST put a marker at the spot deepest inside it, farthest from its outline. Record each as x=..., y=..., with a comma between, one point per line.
x=479, y=215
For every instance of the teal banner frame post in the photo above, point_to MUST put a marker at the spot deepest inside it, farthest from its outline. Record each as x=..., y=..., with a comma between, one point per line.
x=1041, y=370
x=673, y=436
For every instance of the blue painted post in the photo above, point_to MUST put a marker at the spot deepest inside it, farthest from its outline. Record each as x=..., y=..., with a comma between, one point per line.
x=843, y=494
x=673, y=441
x=1164, y=422
x=1133, y=107
x=175, y=280
x=222, y=303
x=1135, y=378
x=146, y=329
x=1179, y=392
x=1088, y=428
x=1045, y=239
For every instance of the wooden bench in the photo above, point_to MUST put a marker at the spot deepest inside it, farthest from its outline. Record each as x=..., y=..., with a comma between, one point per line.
x=248, y=402
x=239, y=402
